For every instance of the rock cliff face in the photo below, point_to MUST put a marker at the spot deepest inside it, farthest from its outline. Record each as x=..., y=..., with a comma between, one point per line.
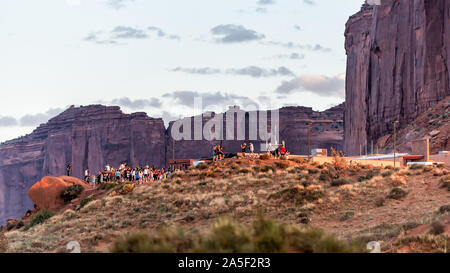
x=397, y=66
x=92, y=136
x=86, y=137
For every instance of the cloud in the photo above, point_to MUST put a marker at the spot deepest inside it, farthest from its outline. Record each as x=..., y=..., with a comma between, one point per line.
x=95, y=38
x=162, y=34
x=252, y=71
x=33, y=120
x=292, y=45
x=292, y=56
x=258, y=72
x=200, y=71
x=137, y=104
x=127, y=32
x=8, y=122
x=124, y=32
x=118, y=4
x=317, y=84
x=309, y=2
x=297, y=27
x=265, y=2
x=186, y=98
x=235, y=34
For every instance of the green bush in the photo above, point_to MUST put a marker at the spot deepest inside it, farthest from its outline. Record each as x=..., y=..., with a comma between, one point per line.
x=71, y=192
x=437, y=228
x=86, y=201
x=202, y=166
x=416, y=167
x=339, y=182
x=227, y=236
x=108, y=186
x=397, y=194
x=39, y=218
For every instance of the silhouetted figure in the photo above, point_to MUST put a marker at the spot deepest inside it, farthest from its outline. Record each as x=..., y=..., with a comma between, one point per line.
x=69, y=169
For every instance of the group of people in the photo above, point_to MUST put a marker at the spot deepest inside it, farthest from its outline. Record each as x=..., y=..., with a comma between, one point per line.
x=218, y=153
x=124, y=173
x=250, y=148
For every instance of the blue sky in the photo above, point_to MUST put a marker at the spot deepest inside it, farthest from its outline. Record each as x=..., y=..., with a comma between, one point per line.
x=153, y=56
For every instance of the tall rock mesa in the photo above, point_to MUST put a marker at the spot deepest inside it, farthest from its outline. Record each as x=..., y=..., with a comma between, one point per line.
x=397, y=66
x=89, y=136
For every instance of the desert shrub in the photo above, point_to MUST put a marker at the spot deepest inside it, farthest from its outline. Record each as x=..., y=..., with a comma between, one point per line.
x=267, y=168
x=281, y=164
x=313, y=171
x=299, y=194
x=444, y=209
x=85, y=201
x=39, y=218
x=416, y=167
x=427, y=169
x=437, y=228
x=298, y=160
x=123, y=189
x=202, y=166
x=227, y=236
x=379, y=202
x=244, y=171
x=108, y=186
x=71, y=192
x=387, y=173
x=445, y=182
x=3, y=242
x=339, y=162
x=397, y=194
x=339, y=182
x=324, y=176
x=346, y=216
x=176, y=174
x=264, y=157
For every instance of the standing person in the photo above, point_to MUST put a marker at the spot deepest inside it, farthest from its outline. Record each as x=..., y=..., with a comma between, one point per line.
x=136, y=175
x=117, y=175
x=214, y=152
x=69, y=169
x=220, y=153
x=86, y=175
x=128, y=174
x=244, y=149
x=141, y=176
x=146, y=174
x=252, y=148
x=283, y=151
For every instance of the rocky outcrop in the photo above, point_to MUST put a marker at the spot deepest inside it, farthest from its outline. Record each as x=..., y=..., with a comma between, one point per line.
x=397, y=66
x=46, y=194
x=434, y=123
x=89, y=136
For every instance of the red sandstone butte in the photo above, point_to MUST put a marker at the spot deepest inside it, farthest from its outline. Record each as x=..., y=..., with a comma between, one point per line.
x=397, y=66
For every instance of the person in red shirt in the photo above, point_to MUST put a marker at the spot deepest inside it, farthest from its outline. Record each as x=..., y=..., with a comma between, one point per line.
x=283, y=151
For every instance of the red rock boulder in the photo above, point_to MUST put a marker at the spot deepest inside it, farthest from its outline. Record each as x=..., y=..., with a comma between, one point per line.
x=46, y=194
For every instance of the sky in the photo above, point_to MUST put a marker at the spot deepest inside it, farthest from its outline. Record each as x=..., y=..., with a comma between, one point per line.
x=156, y=56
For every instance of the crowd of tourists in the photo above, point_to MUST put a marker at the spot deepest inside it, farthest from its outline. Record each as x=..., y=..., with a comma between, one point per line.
x=125, y=173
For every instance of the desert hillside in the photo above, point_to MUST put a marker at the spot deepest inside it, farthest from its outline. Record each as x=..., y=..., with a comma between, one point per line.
x=262, y=205
x=434, y=123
